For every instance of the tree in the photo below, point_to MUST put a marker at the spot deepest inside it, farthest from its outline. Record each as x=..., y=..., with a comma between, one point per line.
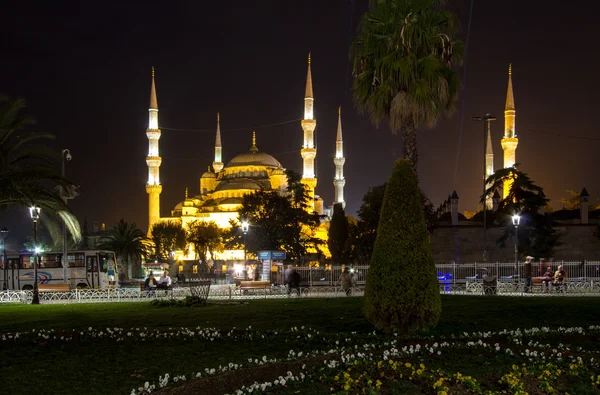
x=403, y=56
x=129, y=244
x=206, y=237
x=84, y=244
x=536, y=236
x=29, y=171
x=363, y=234
x=338, y=235
x=278, y=221
x=167, y=236
x=402, y=292
x=365, y=231
x=571, y=202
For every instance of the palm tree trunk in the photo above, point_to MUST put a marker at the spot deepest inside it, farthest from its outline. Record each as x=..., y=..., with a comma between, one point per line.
x=409, y=149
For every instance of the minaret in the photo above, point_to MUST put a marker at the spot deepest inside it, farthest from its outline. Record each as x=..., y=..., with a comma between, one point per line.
x=338, y=180
x=510, y=140
x=153, y=160
x=218, y=163
x=489, y=164
x=309, y=152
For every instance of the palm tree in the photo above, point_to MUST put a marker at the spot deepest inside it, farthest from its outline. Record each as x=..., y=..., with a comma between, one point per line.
x=29, y=171
x=206, y=237
x=128, y=242
x=167, y=236
x=403, y=56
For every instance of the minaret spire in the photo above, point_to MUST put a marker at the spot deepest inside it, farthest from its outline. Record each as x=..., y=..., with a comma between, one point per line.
x=309, y=151
x=218, y=163
x=339, y=181
x=153, y=160
x=510, y=140
x=254, y=148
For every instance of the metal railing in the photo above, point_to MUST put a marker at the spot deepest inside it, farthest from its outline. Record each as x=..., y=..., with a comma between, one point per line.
x=136, y=295
x=583, y=278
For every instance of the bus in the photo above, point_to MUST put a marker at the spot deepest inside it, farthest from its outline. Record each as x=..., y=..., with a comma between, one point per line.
x=85, y=269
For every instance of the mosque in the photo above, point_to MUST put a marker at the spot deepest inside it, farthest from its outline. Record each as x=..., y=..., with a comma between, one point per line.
x=223, y=186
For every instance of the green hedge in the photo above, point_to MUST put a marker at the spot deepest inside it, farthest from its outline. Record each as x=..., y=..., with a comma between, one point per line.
x=402, y=292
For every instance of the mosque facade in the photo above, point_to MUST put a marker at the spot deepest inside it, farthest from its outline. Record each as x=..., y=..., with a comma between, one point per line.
x=223, y=186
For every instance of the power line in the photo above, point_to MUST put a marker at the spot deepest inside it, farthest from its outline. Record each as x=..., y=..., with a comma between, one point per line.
x=462, y=104
x=233, y=130
x=568, y=136
x=202, y=158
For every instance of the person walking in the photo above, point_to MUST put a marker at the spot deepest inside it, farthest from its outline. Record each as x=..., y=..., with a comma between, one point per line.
x=528, y=273
x=294, y=282
x=346, y=281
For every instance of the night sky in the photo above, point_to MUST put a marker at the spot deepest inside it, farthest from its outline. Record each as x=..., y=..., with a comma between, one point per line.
x=85, y=70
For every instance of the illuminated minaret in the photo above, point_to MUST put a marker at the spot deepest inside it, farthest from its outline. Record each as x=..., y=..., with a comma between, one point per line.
x=218, y=163
x=153, y=160
x=489, y=164
x=510, y=140
x=338, y=180
x=309, y=152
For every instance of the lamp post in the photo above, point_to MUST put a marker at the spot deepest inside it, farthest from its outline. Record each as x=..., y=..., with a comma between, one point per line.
x=65, y=154
x=487, y=118
x=245, y=227
x=34, y=211
x=3, y=236
x=515, y=220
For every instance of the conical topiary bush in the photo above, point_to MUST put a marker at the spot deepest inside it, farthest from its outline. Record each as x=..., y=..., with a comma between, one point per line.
x=402, y=292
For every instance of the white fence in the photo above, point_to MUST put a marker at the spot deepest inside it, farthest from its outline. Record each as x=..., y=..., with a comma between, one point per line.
x=136, y=295
x=583, y=278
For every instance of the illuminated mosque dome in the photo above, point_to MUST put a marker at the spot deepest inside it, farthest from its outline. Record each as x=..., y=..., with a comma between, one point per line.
x=253, y=158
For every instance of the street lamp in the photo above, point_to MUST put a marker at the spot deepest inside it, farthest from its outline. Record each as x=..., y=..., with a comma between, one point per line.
x=65, y=154
x=3, y=236
x=34, y=211
x=516, y=219
x=245, y=227
x=487, y=118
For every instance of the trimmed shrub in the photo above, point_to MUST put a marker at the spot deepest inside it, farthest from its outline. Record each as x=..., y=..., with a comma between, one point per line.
x=402, y=292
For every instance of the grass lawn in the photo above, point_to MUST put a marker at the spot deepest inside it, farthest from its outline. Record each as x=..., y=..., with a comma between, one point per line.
x=101, y=364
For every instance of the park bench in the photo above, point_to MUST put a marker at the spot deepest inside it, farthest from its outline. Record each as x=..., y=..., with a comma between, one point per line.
x=245, y=286
x=54, y=288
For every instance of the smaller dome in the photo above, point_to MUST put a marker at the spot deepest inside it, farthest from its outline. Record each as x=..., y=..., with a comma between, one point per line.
x=209, y=174
x=231, y=201
x=242, y=183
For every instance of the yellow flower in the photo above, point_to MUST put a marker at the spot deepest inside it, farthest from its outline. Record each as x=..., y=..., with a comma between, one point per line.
x=347, y=386
x=378, y=384
x=408, y=365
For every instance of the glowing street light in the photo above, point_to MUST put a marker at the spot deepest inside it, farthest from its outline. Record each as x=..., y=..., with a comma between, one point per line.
x=65, y=154
x=3, y=236
x=34, y=212
x=245, y=228
x=516, y=219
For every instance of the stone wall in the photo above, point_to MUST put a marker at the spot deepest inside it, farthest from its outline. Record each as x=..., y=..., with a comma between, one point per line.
x=465, y=244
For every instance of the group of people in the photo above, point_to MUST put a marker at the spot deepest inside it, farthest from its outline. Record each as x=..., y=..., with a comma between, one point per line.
x=164, y=282
x=292, y=279
x=557, y=278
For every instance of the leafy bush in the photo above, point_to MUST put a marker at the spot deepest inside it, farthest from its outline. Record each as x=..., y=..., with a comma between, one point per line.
x=189, y=301
x=402, y=292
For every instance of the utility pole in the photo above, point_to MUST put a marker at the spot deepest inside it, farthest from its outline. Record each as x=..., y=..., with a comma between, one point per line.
x=487, y=128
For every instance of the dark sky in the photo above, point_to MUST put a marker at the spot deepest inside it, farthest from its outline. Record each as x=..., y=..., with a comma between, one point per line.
x=85, y=70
